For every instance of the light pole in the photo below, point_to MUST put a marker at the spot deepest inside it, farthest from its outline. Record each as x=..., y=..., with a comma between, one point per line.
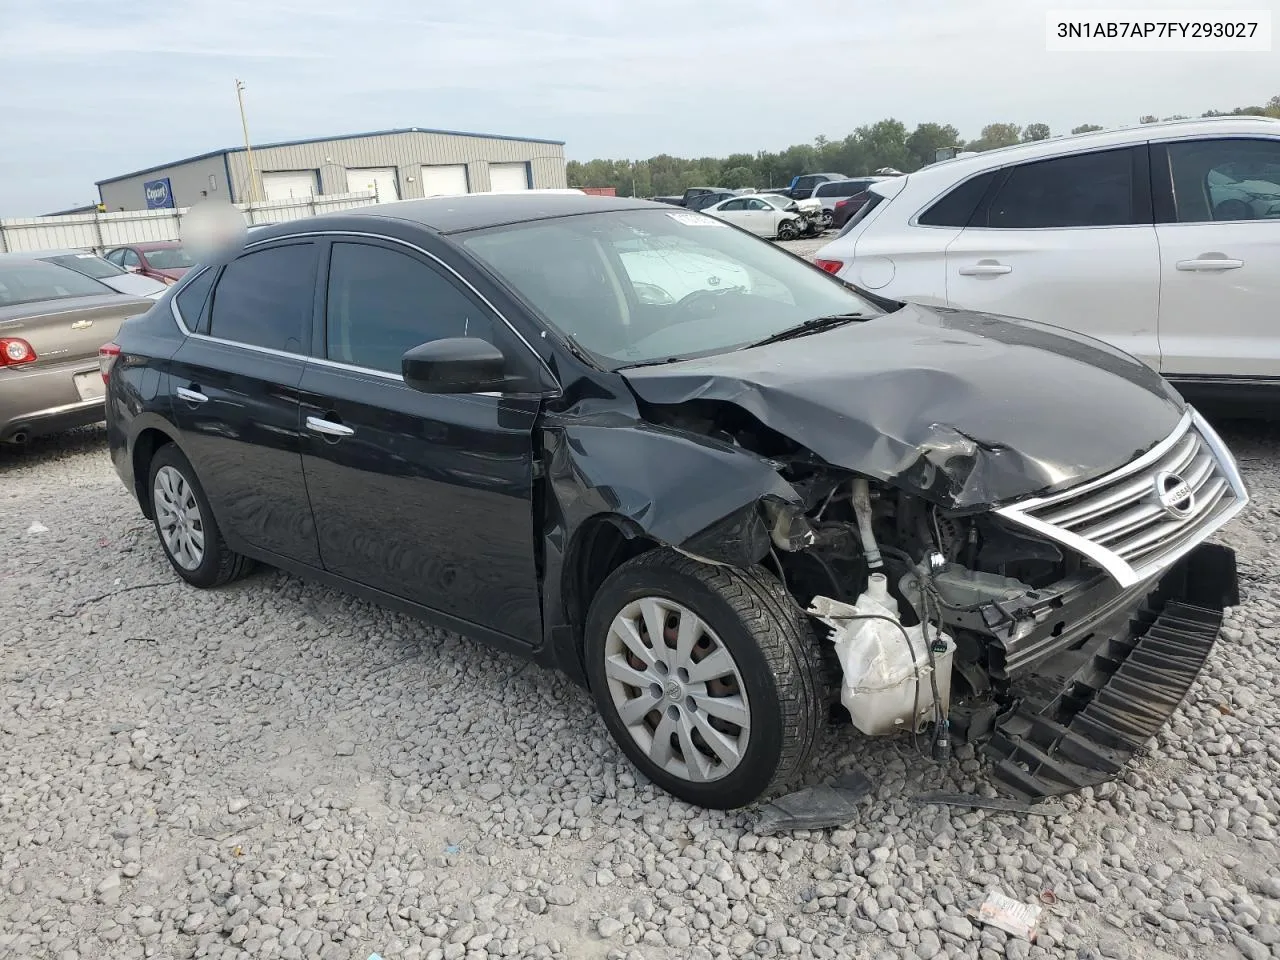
x=248, y=150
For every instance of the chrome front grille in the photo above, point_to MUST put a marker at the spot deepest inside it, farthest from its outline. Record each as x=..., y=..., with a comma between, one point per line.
x=1138, y=520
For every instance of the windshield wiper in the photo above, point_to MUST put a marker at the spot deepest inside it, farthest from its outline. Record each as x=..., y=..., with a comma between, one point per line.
x=653, y=363
x=816, y=325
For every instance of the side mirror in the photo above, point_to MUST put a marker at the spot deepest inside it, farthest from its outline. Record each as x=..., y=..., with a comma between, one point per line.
x=454, y=365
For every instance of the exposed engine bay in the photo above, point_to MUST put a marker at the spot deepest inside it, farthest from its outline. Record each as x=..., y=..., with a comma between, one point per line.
x=950, y=620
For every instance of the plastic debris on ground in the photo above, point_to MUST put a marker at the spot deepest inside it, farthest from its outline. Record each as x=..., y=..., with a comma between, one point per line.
x=37, y=527
x=816, y=808
x=999, y=804
x=1014, y=917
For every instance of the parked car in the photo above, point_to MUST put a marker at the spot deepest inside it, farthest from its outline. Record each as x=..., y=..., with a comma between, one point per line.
x=463, y=408
x=92, y=265
x=802, y=187
x=52, y=321
x=163, y=260
x=831, y=193
x=1140, y=237
x=766, y=215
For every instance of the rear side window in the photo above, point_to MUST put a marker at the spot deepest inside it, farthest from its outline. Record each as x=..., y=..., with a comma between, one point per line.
x=1084, y=190
x=265, y=298
x=873, y=200
x=191, y=298
x=957, y=207
x=1225, y=180
x=381, y=303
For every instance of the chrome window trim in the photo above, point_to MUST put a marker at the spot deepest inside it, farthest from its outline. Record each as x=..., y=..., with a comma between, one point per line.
x=1120, y=570
x=324, y=361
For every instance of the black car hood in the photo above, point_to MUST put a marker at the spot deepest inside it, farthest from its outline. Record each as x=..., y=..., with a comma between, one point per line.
x=969, y=409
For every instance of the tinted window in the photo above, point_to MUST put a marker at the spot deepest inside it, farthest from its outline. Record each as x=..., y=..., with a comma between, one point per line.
x=1085, y=190
x=1225, y=180
x=735, y=205
x=265, y=298
x=190, y=299
x=873, y=200
x=31, y=281
x=957, y=207
x=382, y=302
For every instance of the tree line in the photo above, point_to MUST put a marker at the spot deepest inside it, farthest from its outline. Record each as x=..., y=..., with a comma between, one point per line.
x=886, y=143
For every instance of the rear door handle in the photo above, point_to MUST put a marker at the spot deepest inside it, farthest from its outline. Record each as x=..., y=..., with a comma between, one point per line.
x=192, y=395
x=1210, y=263
x=985, y=269
x=328, y=428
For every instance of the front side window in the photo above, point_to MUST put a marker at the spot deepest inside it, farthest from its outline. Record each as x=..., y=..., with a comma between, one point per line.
x=1225, y=180
x=115, y=256
x=130, y=259
x=381, y=303
x=638, y=286
x=1082, y=190
x=265, y=298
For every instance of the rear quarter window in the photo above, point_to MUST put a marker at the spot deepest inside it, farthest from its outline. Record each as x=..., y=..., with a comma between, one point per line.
x=957, y=207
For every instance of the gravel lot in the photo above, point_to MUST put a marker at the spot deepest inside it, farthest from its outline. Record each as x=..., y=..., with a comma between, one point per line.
x=277, y=770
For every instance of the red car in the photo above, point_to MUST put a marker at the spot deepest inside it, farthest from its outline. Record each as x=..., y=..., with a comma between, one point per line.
x=164, y=260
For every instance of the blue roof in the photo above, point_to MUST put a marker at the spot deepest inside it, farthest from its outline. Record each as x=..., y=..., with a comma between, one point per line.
x=344, y=136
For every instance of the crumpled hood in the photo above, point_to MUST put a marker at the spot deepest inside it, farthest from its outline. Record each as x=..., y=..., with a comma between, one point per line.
x=969, y=409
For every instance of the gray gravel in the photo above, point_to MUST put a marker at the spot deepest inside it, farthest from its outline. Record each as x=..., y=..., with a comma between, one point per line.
x=278, y=770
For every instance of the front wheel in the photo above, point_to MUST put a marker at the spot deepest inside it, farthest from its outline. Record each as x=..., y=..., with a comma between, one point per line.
x=787, y=230
x=709, y=678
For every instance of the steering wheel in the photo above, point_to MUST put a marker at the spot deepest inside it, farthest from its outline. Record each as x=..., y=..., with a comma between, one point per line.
x=690, y=303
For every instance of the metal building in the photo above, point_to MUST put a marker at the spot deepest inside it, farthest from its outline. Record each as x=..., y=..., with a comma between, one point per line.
x=397, y=164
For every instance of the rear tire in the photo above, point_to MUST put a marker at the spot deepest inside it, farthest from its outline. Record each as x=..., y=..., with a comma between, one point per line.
x=185, y=526
x=735, y=681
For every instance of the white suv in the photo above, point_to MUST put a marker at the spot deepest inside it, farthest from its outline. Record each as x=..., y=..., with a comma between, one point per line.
x=1163, y=239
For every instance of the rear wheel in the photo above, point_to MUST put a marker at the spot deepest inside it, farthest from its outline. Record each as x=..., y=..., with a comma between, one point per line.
x=787, y=230
x=827, y=218
x=708, y=677
x=185, y=525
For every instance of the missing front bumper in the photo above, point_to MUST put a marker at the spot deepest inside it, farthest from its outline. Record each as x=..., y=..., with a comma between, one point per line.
x=1080, y=716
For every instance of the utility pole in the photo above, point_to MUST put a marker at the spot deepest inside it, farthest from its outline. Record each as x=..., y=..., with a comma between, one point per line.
x=248, y=150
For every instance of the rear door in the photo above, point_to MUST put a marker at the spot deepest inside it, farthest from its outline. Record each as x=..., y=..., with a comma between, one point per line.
x=236, y=400
x=426, y=497
x=1068, y=241
x=1218, y=212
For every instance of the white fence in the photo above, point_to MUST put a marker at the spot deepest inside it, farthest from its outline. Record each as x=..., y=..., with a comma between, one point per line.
x=98, y=231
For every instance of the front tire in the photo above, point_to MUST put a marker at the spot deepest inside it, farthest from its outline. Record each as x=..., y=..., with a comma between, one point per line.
x=185, y=526
x=727, y=703
x=787, y=231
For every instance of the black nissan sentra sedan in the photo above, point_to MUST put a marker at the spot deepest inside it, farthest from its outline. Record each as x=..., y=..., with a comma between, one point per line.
x=651, y=450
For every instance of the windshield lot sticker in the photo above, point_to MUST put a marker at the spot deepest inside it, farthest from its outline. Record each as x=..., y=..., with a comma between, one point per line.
x=695, y=220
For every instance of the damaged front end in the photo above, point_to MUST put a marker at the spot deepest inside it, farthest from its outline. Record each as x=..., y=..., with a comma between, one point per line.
x=1060, y=631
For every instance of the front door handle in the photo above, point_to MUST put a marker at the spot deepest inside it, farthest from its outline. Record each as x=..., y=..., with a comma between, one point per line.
x=1210, y=263
x=192, y=394
x=328, y=428
x=985, y=268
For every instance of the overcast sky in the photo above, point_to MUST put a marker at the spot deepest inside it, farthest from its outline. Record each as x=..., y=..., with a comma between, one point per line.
x=95, y=89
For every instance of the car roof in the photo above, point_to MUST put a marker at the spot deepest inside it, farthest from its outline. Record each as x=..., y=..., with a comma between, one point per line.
x=958, y=168
x=40, y=254
x=479, y=210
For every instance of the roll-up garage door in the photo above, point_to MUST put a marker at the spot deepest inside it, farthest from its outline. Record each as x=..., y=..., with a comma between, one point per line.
x=379, y=179
x=287, y=184
x=445, y=180
x=508, y=176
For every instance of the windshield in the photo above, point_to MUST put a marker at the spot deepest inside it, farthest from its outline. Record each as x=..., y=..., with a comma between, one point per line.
x=638, y=286
x=33, y=281
x=86, y=263
x=169, y=258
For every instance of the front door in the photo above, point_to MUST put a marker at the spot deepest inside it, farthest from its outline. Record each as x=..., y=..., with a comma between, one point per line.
x=235, y=395
x=1219, y=260
x=1067, y=241
x=425, y=497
